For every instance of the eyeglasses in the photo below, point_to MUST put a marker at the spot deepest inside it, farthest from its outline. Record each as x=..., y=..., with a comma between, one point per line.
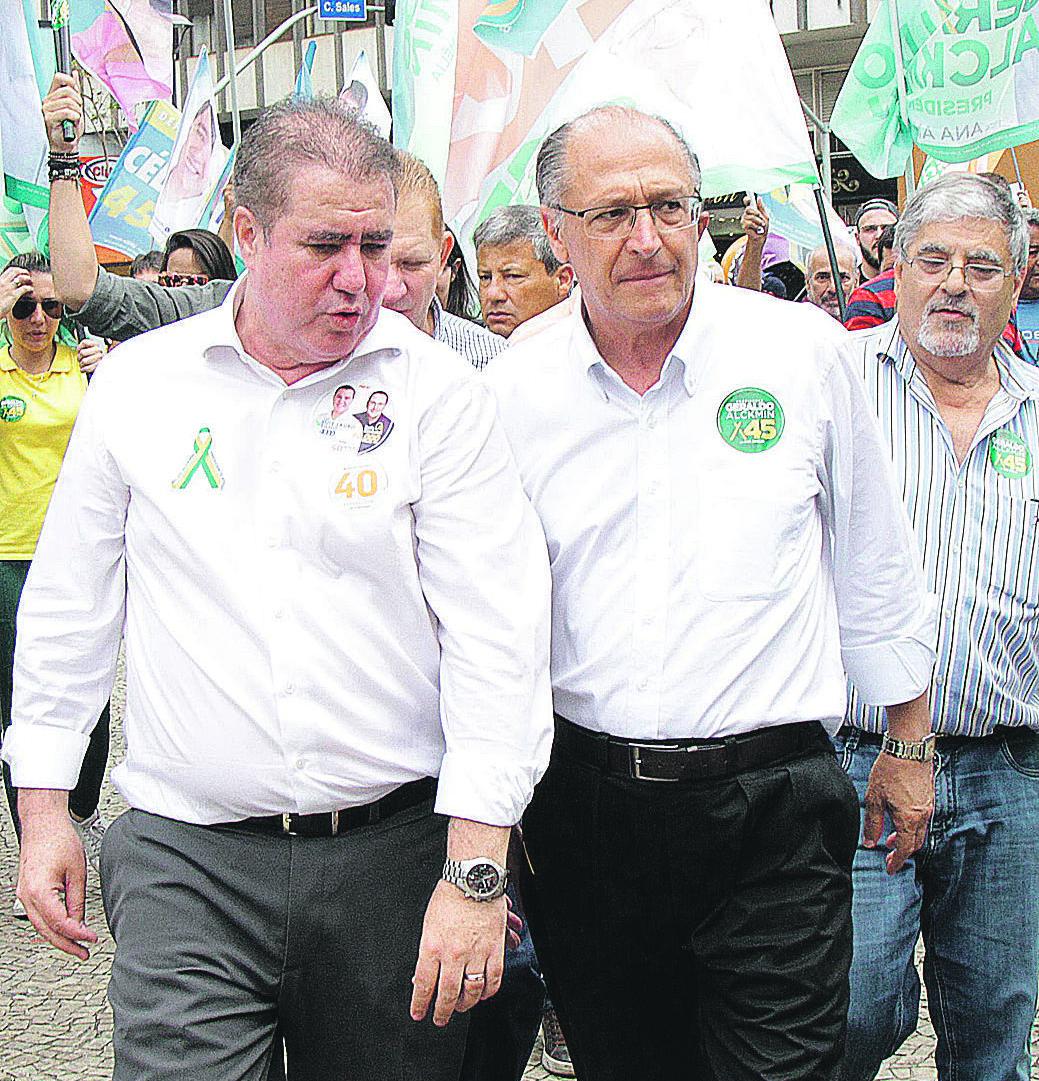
x=983, y=277
x=617, y=222
x=166, y=278
x=25, y=307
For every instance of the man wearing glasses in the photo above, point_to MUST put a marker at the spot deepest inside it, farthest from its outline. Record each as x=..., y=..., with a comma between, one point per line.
x=725, y=540
x=959, y=411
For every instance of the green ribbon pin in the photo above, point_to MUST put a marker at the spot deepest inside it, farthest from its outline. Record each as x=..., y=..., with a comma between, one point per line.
x=202, y=459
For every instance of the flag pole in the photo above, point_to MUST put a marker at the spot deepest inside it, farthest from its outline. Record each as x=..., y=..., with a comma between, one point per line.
x=236, y=116
x=831, y=251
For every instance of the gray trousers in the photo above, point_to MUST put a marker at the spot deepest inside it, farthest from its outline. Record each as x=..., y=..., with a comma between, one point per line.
x=221, y=935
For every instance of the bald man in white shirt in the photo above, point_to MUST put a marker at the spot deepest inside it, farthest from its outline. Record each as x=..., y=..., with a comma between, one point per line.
x=725, y=541
x=330, y=681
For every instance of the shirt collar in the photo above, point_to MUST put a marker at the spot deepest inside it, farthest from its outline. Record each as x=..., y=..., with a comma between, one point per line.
x=224, y=340
x=62, y=361
x=681, y=355
x=1018, y=379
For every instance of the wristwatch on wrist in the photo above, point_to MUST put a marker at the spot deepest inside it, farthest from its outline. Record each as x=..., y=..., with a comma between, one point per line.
x=918, y=750
x=480, y=879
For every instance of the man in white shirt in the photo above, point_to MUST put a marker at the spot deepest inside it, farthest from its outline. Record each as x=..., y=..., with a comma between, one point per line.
x=725, y=540
x=312, y=636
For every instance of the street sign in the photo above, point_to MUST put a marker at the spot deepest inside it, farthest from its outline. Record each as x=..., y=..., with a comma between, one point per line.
x=350, y=10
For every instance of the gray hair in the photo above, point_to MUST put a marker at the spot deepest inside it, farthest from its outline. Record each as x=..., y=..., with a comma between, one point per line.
x=552, y=172
x=521, y=222
x=964, y=195
x=295, y=133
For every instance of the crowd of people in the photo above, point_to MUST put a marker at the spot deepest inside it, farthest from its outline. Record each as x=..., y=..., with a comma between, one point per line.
x=591, y=647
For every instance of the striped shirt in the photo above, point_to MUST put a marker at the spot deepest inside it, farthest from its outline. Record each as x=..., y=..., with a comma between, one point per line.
x=976, y=524
x=476, y=343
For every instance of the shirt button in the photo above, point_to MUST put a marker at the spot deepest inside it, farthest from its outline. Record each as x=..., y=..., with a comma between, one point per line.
x=290, y=688
x=651, y=423
x=279, y=613
x=275, y=466
x=299, y=763
x=654, y=488
x=643, y=685
x=272, y=542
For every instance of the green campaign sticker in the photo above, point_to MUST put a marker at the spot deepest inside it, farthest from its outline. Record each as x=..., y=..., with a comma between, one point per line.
x=12, y=408
x=1009, y=454
x=750, y=420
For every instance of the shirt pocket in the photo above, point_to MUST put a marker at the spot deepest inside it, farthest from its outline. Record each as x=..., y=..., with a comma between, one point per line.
x=747, y=543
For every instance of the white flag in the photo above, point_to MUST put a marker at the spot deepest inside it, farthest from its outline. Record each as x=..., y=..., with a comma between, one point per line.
x=513, y=72
x=361, y=92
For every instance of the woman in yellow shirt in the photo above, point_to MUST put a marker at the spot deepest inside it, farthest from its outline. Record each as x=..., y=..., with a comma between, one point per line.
x=42, y=383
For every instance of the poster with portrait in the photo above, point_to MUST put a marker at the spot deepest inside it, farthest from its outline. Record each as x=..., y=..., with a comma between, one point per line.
x=196, y=163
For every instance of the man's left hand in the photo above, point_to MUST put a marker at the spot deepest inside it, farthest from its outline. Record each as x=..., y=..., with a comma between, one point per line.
x=459, y=937
x=905, y=790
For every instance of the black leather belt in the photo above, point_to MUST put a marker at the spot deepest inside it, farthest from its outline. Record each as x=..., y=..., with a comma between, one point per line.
x=687, y=759
x=332, y=823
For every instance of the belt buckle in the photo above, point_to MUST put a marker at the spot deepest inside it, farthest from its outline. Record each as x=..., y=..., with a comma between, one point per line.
x=636, y=761
x=286, y=825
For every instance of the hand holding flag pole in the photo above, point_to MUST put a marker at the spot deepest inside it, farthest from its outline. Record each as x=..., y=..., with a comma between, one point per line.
x=59, y=22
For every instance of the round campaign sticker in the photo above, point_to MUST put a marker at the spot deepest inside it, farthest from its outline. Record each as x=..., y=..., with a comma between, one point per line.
x=1009, y=454
x=11, y=408
x=750, y=420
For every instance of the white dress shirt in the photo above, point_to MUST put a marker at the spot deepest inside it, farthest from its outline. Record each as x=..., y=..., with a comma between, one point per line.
x=699, y=590
x=315, y=613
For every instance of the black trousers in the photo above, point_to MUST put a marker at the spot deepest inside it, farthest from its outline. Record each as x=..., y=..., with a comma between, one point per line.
x=696, y=931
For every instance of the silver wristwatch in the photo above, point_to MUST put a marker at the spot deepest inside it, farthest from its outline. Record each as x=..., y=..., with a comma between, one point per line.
x=919, y=750
x=480, y=879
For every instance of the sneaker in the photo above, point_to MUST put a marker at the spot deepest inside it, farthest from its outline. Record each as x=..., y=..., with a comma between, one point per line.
x=18, y=911
x=91, y=830
x=555, y=1056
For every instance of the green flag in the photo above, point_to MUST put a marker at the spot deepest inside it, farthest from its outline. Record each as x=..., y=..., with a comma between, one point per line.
x=959, y=78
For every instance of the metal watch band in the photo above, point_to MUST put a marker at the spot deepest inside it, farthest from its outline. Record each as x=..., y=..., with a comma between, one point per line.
x=472, y=877
x=921, y=750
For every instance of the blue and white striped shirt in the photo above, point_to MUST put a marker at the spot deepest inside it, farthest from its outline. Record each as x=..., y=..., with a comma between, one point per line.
x=976, y=524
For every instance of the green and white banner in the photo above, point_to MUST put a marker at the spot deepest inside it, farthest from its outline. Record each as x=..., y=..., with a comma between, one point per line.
x=477, y=85
x=959, y=78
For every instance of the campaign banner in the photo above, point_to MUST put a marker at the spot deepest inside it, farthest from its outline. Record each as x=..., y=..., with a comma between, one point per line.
x=361, y=92
x=123, y=212
x=957, y=79
x=509, y=72
x=196, y=161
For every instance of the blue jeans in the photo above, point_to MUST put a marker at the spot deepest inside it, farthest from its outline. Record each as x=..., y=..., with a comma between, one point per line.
x=973, y=891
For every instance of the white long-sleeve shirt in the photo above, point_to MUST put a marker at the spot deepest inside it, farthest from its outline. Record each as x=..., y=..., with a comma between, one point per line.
x=725, y=546
x=317, y=609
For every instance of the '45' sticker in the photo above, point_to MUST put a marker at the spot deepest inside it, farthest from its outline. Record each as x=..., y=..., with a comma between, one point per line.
x=750, y=420
x=357, y=486
x=1009, y=454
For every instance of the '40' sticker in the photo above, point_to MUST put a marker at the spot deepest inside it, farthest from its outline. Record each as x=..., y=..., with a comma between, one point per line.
x=750, y=420
x=1009, y=454
x=355, y=486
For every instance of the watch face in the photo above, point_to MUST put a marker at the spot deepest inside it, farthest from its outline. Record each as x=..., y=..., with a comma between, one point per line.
x=482, y=878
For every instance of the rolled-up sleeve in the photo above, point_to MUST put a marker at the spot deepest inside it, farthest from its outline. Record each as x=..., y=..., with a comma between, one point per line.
x=70, y=615
x=888, y=620
x=483, y=567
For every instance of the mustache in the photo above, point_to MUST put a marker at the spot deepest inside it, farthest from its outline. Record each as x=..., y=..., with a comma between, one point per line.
x=953, y=304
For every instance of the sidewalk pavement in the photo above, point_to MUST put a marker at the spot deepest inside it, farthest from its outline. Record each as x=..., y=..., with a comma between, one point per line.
x=55, y=1020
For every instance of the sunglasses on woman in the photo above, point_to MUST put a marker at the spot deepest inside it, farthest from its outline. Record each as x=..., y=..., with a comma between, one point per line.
x=25, y=307
x=167, y=278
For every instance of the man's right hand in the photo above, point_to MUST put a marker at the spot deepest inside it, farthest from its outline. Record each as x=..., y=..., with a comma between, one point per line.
x=63, y=102
x=52, y=874
x=754, y=222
